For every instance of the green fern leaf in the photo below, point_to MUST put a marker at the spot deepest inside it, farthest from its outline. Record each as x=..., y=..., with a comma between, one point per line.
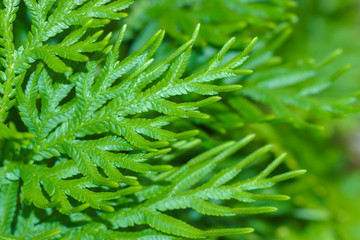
x=181, y=193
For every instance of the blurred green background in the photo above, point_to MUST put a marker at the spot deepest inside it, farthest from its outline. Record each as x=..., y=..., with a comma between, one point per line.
x=328, y=198
x=325, y=202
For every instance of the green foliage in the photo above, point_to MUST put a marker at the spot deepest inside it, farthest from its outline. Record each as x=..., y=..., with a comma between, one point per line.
x=220, y=20
x=278, y=92
x=290, y=95
x=309, y=103
x=50, y=18
x=194, y=185
x=99, y=118
x=97, y=131
x=181, y=193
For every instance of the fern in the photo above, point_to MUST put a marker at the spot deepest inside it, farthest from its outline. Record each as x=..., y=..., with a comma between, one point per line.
x=90, y=143
x=283, y=95
x=291, y=93
x=187, y=186
x=183, y=193
x=100, y=106
x=98, y=119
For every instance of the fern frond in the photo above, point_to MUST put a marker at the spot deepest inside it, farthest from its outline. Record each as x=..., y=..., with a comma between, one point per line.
x=291, y=91
x=194, y=185
x=49, y=19
x=276, y=93
x=182, y=193
x=96, y=132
